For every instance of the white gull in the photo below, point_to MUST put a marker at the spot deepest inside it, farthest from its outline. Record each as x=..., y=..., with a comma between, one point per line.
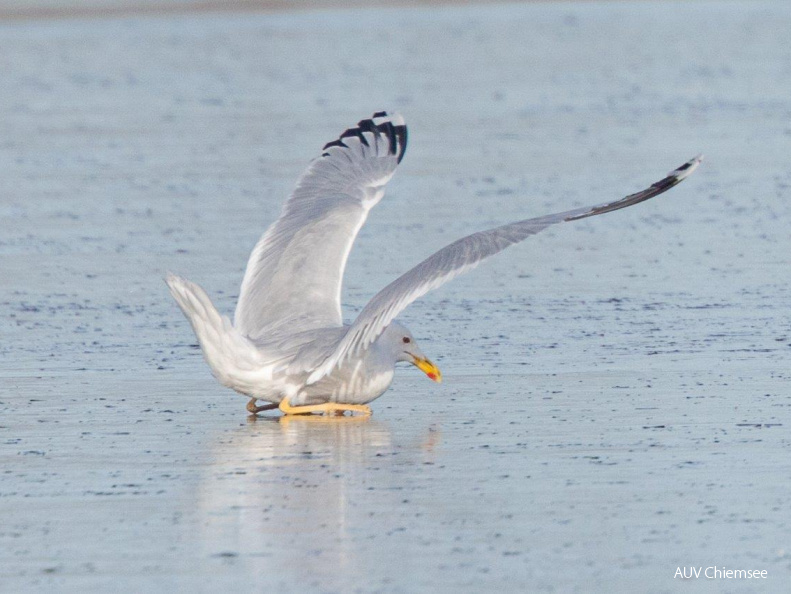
x=288, y=345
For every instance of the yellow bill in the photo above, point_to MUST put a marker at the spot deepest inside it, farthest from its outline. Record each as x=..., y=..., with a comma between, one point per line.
x=427, y=367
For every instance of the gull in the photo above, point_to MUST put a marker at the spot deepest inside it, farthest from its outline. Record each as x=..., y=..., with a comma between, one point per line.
x=288, y=345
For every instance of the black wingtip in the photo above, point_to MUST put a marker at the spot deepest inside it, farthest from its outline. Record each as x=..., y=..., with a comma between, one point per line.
x=390, y=125
x=338, y=142
x=401, y=139
x=672, y=179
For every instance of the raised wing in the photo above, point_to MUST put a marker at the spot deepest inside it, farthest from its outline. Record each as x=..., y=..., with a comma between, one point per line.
x=459, y=257
x=295, y=272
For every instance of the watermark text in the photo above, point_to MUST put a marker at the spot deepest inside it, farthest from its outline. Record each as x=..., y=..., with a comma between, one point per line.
x=718, y=573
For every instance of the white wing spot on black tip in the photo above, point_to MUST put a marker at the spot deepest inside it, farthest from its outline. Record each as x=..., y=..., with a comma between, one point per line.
x=388, y=129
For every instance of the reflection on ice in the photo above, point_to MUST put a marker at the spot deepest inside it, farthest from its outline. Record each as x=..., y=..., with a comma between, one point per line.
x=279, y=485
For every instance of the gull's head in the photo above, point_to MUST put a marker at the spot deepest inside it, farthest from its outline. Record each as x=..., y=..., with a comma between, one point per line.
x=400, y=342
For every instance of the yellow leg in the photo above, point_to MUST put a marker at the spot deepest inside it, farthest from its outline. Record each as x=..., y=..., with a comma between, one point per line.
x=252, y=408
x=328, y=408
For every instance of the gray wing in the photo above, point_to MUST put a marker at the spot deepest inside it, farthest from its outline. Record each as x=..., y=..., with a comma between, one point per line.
x=295, y=272
x=459, y=257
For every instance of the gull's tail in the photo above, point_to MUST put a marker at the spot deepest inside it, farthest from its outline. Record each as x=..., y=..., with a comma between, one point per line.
x=224, y=348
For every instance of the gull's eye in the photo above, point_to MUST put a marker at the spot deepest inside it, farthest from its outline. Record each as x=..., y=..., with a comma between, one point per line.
x=406, y=340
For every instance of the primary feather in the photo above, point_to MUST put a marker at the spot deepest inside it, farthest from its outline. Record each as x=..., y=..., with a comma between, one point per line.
x=295, y=272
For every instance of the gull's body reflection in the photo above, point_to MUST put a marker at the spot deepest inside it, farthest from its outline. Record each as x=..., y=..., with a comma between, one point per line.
x=293, y=499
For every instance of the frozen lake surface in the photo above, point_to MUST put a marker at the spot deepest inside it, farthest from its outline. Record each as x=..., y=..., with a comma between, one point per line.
x=616, y=401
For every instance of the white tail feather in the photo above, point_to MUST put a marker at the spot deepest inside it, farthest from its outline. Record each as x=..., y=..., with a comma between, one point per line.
x=227, y=352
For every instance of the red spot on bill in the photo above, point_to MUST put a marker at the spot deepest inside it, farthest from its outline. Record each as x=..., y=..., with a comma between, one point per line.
x=432, y=376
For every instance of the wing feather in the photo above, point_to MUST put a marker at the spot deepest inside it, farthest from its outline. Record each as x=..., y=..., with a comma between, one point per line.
x=295, y=273
x=461, y=256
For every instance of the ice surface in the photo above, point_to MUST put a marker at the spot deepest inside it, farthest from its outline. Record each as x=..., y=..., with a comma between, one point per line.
x=616, y=395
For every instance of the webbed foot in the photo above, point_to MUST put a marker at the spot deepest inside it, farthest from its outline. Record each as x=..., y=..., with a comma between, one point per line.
x=328, y=408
